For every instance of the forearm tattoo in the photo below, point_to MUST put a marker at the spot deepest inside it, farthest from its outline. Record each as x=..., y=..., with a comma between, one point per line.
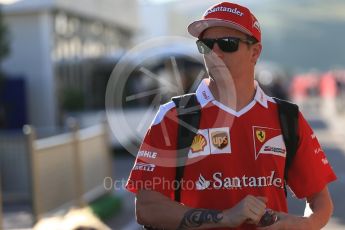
x=196, y=217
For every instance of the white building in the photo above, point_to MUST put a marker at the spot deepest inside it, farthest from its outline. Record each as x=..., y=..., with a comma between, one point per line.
x=50, y=38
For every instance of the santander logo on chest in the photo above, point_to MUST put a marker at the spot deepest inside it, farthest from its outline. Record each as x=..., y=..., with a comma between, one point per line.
x=268, y=141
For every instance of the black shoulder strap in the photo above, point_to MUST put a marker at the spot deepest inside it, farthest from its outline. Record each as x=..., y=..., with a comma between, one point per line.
x=188, y=112
x=288, y=118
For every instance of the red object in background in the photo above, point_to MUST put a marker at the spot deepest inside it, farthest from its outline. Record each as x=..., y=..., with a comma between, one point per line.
x=303, y=85
x=328, y=86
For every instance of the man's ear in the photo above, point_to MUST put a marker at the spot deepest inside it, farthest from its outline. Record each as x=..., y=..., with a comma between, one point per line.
x=256, y=52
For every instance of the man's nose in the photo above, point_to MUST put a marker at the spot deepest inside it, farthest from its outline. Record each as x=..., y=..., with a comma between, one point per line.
x=217, y=51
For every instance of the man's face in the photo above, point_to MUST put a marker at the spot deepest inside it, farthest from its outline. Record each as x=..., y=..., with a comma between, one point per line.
x=238, y=62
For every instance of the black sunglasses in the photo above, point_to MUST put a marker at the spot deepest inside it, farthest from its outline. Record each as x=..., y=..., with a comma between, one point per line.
x=226, y=44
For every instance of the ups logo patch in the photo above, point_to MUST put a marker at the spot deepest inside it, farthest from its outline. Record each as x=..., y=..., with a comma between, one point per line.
x=220, y=139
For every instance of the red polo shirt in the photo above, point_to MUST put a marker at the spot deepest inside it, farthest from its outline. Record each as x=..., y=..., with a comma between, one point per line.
x=233, y=155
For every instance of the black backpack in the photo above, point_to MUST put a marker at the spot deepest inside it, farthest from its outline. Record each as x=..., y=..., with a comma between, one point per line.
x=189, y=111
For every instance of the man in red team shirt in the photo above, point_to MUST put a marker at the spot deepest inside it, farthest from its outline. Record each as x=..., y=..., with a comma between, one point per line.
x=235, y=166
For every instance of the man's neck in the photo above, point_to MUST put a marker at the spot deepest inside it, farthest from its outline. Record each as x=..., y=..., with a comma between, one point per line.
x=235, y=93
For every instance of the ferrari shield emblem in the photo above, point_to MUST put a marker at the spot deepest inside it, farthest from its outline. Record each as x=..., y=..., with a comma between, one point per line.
x=261, y=135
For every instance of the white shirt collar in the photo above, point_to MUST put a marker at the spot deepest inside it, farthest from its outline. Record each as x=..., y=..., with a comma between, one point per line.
x=204, y=94
x=260, y=95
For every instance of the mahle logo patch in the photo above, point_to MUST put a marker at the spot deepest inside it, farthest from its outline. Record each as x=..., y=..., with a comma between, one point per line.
x=260, y=135
x=220, y=139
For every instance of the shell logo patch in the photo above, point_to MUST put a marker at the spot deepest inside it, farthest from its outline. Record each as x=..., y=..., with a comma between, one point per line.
x=268, y=141
x=260, y=135
x=198, y=144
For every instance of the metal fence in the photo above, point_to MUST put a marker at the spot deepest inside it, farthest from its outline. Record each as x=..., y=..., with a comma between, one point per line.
x=57, y=172
x=68, y=169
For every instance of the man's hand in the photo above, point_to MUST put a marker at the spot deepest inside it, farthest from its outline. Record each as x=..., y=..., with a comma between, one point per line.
x=288, y=222
x=249, y=210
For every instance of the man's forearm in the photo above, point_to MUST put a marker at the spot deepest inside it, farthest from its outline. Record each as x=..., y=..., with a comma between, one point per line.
x=196, y=218
x=322, y=207
x=155, y=210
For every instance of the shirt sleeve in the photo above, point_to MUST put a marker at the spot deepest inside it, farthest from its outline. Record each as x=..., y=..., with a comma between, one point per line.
x=310, y=171
x=154, y=167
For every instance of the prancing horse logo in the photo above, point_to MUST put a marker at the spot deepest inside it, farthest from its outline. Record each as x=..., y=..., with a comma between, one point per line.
x=261, y=135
